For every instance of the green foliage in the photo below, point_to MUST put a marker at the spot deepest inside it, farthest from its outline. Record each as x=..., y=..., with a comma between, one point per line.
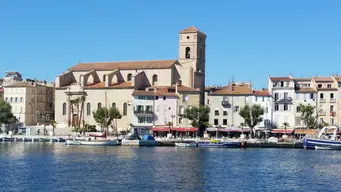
x=86, y=128
x=104, y=116
x=198, y=115
x=252, y=115
x=6, y=115
x=307, y=115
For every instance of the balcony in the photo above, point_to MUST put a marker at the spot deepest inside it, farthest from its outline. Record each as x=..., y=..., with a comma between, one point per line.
x=322, y=113
x=333, y=113
x=143, y=112
x=226, y=104
x=287, y=100
x=322, y=100
x=332, y=100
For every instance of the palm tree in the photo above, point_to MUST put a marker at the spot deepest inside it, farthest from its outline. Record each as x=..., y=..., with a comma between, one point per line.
x=169, y=124
x=285, y=124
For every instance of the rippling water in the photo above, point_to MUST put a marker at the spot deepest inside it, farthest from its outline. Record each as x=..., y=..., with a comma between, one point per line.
x=56, y=167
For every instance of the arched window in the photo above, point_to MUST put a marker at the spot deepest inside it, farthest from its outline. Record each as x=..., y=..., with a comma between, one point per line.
x=64, y=108
x=88, y=109
x=125, y=108
x=154, y=79
x=188, y=52
x=99, y=105
x=113, y=105
x=129, y=77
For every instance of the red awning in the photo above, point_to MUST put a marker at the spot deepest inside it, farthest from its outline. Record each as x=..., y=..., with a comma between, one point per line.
x=282, y=131
x=180, y=129
x=160, y=129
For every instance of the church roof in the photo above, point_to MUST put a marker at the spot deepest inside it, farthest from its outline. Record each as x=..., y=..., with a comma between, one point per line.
x=124, y=65
x=191, y=29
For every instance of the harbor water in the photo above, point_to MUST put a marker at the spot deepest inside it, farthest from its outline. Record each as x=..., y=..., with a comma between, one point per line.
x=56, y=167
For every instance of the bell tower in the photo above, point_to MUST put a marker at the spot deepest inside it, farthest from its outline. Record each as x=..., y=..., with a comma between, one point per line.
x=192, y=57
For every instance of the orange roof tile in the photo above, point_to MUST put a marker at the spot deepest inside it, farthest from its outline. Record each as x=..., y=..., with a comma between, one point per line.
x=306, y=90
x=280, y=78
x=153, y=93
x=127, y=65
x=261, y=93
x=302, y=79
x=232, y=89
x=181, y=88
x=191, y=29
x=323, y=79
x=101, y=85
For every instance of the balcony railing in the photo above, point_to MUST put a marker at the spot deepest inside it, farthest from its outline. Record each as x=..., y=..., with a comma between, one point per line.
x=226, y=104
x=322, y=100
x=146, y=112
x=332, y=100
x=322, y=113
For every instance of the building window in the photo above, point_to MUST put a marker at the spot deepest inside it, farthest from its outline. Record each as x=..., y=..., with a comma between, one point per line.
x=225, y=113
x=6, y=99
x=286, y=108
x=329, y=86
x=216, y=112
x=104, y=78
x=276, y=96
x=15, y=99
x=64, y=108
x=321, y=95
x=129, y=77
x=319, y=85
x=216, y=122
x=154, y=82
x=113, y=105
x=285, y=95
x=236, y=108
x=11, y=100
x=141, y=119
x=282, y=84
x=21, y=99
x=332, y=121
x=88, y=109
x=224, y=121
x=188, y=53
x=311, y=95
x=331, y=108
x=225, y=98
x=263, y=99
x=298, y=109
x=125, y=109
x=185, y=98
x=157, y=98
x=208, y=101
x=164, y=97
x=332, y=95
x=256, y=98
x=99, y=105
x=276, y=107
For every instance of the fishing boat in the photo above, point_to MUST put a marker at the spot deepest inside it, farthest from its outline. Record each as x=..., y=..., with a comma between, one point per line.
x=327, y=139
x=219, y=143
x=192, y=144
x=58, y=139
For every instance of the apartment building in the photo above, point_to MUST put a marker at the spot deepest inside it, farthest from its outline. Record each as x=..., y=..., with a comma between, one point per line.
x=226, y=103
x=327, y=91
x=118, y=82
x=264, y=99
x=305, y=94
x=282, y=90
x=32, y=101
x=338, y=99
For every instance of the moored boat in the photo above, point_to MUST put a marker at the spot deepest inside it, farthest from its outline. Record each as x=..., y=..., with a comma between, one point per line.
x=44, y=140
x=99, y=143
x=219, y=143
x=192, y=144
x=327, y=139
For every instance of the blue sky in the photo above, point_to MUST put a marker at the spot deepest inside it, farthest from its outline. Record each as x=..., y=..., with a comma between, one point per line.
x=246, y=39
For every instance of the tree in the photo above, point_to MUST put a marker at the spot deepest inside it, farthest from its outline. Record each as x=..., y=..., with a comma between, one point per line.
x=169, y=124
x=6, y=115
x=53, y=123
x=199, y=117
x=252, y=116
x=104, y=117
x=285, y=124
x=307, y=115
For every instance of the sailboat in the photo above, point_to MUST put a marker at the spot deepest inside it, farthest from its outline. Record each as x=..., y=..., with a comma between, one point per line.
x=100, y=142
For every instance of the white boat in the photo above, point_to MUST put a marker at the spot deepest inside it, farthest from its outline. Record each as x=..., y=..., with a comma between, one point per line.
x=327, y=139
x=99, y=143
x=72, y=142
x=192, y=144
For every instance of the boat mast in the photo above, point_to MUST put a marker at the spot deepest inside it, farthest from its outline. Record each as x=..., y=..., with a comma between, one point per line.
x=106, y=115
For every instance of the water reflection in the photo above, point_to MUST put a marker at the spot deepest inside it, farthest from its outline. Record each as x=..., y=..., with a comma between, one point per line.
x=26, y=166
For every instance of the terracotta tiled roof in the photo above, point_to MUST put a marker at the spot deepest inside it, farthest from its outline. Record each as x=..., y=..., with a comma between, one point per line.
x=22, y=84
x=261, y=93
x=101, y=85
x=323, y=79
x=302, y=79
x=190, y=29
x=232, y=89
x=181, y=88
x=306, y=90
x=128, y=65
x=280, y=78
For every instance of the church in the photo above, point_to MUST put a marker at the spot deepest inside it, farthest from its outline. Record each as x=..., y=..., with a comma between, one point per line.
x=148, y=94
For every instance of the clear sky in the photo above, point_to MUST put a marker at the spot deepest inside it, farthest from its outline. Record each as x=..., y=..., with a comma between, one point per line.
x=246, y=39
